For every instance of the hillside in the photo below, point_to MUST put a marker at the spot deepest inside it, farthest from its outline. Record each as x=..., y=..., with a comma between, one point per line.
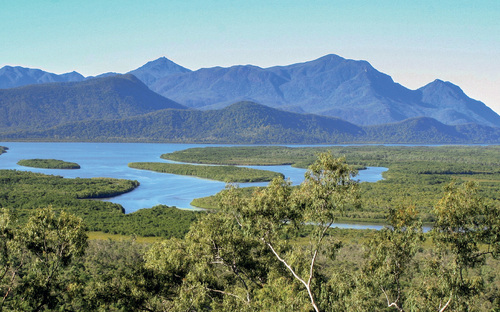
x=425, y=130
x=251, y=123
x=45, y=105
x=455, y=106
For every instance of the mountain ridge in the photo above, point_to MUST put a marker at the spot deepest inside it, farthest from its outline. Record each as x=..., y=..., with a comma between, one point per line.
x=330, y=85
x=252, y=123
x=17, y=76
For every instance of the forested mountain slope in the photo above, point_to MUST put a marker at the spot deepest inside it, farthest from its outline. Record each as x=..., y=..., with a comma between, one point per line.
x=251, y=123
x=45, y=105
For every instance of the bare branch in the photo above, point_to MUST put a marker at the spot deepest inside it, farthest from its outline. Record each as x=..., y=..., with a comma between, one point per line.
x=389, y=303
x=447, y=303
x=307, y=285
x=227, y=294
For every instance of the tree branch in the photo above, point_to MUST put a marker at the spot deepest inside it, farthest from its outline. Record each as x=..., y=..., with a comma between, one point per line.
x=226, y=293
x=308, y=287
x=447, y=303
x=389, y=304
x=8, y=290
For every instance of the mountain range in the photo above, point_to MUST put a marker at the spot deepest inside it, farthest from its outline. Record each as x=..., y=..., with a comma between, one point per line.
x=11, y=77
x=330, y=99
x=329, y=86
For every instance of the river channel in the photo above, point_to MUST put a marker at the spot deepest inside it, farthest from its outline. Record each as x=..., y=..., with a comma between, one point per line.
x=111, y=160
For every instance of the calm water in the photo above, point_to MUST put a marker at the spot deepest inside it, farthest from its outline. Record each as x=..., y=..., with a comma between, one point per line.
x=111, y=159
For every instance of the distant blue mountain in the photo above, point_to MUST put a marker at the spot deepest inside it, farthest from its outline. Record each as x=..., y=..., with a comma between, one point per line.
x=449, y=102
x=329, y=86
x=12, y=77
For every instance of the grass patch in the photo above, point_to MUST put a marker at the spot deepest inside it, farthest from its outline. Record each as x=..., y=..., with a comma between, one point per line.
x=118, y=237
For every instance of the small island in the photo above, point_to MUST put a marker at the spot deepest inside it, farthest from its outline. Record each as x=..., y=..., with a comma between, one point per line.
x=229, y=174
x=48, y=164
x=3, y=149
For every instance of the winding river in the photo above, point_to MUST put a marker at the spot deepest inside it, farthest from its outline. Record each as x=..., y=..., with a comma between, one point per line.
x=111, y=159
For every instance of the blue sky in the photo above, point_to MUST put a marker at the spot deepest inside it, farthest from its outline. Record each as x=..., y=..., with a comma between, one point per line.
x=413, y=41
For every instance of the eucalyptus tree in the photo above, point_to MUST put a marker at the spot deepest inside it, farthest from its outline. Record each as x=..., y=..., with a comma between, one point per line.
x=466, y=232
x=391, y=265
x=34, y=258
x=447, y=276
x=246, y=253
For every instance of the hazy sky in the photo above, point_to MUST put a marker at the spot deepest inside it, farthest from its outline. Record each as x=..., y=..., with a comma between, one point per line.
x=414, y=41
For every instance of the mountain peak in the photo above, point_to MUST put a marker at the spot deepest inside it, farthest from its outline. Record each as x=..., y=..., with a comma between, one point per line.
x=155, y=70
x=455, y=107
x=163, y=64
x=441, y=86
x=331, y=57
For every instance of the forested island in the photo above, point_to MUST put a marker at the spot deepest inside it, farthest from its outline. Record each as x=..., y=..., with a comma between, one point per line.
x=229, y=174
x=48, y=164
x=265, y=249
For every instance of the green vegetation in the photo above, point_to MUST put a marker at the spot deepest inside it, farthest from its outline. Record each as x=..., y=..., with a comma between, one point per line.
x=260, y=252
x=3, y=149
x=34, y=258
x=416, y=175
x=369, y=155
x=159, y=221
x=100, y=236
x=228, y=174
x=242, y=155
x=21, y=192
x=265, y=249
x=48, y=163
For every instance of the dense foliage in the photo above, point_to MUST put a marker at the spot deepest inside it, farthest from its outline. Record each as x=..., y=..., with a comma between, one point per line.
x=249, y=123
x=48, y=164
x=34, y=258
x=227, y=174
x=21, y=192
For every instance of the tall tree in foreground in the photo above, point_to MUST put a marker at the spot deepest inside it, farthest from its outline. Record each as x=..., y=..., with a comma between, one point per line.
x=391, y=265
x=234, y=259
x=448, y=277
x=466, y=232
x=34, y=257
